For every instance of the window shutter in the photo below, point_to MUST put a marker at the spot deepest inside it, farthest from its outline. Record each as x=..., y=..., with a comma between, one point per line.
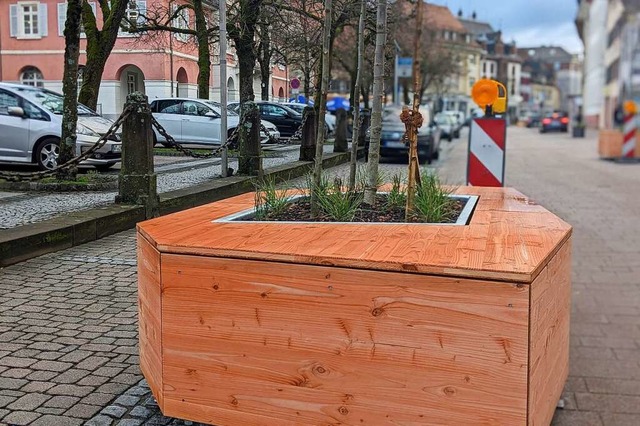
x=142, y=11
x=62, y=17
x=42, y=12
x=13, y=12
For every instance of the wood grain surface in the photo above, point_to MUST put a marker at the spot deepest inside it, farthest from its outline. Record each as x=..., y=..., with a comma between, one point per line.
x=509, y=238
x=253, y=342
x=549, y=337
x=150, y=316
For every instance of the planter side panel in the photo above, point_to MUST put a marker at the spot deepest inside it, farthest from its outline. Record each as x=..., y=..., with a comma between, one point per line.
x=253, y=342
x=549, y=353
x=150, y=316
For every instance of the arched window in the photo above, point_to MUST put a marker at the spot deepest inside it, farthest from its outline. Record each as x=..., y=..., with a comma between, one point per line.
x=31, y=76
x=80, y=75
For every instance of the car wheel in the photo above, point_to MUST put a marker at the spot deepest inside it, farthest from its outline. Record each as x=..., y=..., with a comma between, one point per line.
x=104, y=167
x=436, y=155
x=457, y=135
x=450, y=138
x=47, y=154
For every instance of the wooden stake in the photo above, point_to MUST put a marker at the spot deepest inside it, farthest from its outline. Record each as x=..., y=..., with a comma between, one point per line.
x=412, y=130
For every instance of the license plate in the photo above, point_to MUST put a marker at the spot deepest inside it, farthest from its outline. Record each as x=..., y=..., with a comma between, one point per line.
x=394, y=145
x=116, y=148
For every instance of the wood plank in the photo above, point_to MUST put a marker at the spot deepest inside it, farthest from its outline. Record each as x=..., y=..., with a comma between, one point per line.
x=289, y=341
x=549, y=337
x=510, y=238
x=150, y=315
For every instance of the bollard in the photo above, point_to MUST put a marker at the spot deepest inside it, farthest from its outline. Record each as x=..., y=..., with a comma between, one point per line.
x=308, y=143
x=340, y=142
x=249, y=156
x=137, y=182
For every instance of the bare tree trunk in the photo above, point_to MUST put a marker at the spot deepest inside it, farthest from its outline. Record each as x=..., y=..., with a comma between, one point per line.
x=376, y=113
x=204, y=54
x=264, y=59
x=322, y=105
x=356, y=98
x=414, y=170
x=70, y=88
x=99, y=46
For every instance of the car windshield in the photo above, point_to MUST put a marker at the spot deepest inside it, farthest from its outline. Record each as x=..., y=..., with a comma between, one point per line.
x=392, y=115
x=299, y=108
x=52, y=102
x=218, y=108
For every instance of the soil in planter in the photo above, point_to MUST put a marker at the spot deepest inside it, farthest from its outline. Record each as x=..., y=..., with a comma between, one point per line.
x=300, y=211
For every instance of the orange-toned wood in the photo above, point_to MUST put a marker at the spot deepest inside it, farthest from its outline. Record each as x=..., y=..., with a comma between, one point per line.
x=509, y=238
x=289, y=324
x=320, y=345
x=549, y=336
x=150, y=316
x=610, y=144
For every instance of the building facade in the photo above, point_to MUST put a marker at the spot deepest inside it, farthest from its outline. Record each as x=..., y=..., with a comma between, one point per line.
x=165, y=65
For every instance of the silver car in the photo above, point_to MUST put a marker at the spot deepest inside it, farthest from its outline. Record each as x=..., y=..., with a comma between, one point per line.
x=31, y=128
x=197, y=121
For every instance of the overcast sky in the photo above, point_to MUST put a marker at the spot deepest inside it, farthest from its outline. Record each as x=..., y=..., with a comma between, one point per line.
x=529, y=22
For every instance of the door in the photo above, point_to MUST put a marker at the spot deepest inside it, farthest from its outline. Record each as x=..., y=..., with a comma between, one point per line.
x=167, y=113
x=14, y=131
x=280, y=117
x=200, y=124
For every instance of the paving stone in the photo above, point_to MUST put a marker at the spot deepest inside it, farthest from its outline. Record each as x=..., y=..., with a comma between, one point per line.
x=51, y=366
x=100, y=421
x=127, y=400
x=17, y=373
x=114, y=411
x=140, y=411
x=129, y=422
x=51, y=410
x=84, y=411
x=62, y=401
x=72, y=390
x=97, y=398
x=12, y=361
x=20, y=417
x=49, y=420
x=8, y=383
x=28, y=402
x=71, y=376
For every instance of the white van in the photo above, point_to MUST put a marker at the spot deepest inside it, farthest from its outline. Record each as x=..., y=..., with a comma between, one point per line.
x=31, y=128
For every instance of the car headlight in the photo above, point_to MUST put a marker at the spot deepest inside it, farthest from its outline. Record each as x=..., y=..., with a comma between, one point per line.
x=84, y=130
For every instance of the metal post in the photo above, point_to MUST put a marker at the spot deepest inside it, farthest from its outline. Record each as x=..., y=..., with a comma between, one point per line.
x=223, y=85
x=396, y=86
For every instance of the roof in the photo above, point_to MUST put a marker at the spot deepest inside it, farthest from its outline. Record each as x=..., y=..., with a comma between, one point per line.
x=545, y=54
x=441, y=18
x=476, y=27
x=631, y=5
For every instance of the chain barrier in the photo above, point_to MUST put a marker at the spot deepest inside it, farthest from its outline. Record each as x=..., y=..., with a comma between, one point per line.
x=297, y=135
x=27, y=177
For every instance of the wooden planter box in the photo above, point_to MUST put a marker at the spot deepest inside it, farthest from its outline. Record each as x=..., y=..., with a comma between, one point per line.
x=357, y=324
x=610, y=144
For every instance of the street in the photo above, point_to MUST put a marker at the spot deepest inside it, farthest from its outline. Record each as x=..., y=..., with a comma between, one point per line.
x=68, y=330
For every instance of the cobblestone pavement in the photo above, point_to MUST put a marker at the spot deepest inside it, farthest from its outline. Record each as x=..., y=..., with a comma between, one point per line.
x=36, y=207
x=68, y=320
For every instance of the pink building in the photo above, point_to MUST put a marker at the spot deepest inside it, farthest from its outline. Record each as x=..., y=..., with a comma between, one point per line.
x=32, y=48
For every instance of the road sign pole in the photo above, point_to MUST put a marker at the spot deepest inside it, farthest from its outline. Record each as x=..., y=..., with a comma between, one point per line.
x=223, y=85
x=396, y=79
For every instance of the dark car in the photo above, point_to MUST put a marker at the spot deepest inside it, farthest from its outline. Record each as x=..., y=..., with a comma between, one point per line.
x=393, y=144
x=556, y=121
x=285, y=119
x=533, y=120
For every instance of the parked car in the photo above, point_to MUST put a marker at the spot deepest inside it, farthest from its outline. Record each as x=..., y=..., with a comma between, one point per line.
x=286, y=120
x=272, y=135
x=31, y=128
x=392, y=143
x=458, y=119
x=197, y=121
x=556, y=121
x=446, y=124
x=530, y=119
x=329, y=119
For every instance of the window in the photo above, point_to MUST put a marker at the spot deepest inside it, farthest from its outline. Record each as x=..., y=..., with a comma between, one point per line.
x=472, y=81
x=169, y=106
x=195, y=108
x=7, y=100
x=28, y=20
x=62, y=18
x=134, y=15
x=467, y=39
x=181, y=21
x=446, y=35
x=273, y=110
x=31, y=76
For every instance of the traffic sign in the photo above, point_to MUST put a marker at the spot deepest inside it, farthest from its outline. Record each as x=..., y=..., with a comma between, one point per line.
x=487, y=143
x=295, y=83
x=405, y=67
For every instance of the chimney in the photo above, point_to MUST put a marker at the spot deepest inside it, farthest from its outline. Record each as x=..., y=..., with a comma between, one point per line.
x=460, y=13
x=474, y=15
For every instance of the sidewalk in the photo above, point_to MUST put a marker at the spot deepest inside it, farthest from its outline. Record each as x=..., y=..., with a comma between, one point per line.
x=68, y=331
